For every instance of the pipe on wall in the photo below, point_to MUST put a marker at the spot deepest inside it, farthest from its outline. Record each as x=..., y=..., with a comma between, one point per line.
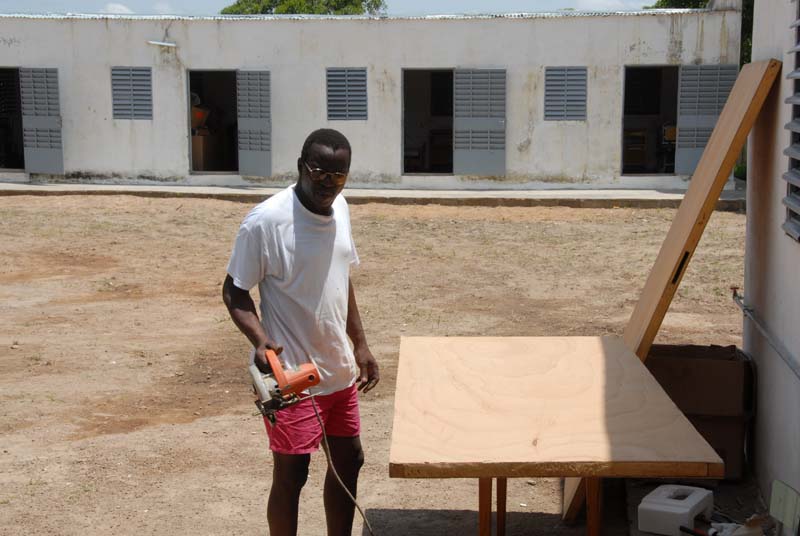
x=750, y=313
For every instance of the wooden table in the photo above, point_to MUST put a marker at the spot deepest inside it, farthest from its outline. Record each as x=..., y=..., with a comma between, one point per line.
x=505, y=407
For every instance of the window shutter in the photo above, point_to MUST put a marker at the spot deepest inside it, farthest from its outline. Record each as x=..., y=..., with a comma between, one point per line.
x=132, y=92
x=705, y=88
x=565, y=94
x=39, y=92
x=347, y=93
x=479, y=123
x=792, y=176
x=702, y=93
x=254, y=117
x=41, y=120
x=694, y=138
x=480, y=93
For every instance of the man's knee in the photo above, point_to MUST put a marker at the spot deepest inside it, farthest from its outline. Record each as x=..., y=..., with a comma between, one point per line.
x=354, y=461
x=347, y=453
x=290, y=472
x=358, y=458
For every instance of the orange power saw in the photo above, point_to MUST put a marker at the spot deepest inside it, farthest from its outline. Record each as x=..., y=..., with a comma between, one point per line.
x=282, y=388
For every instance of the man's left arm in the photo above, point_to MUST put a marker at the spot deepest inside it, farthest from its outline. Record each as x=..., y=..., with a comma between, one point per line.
x=367, y=365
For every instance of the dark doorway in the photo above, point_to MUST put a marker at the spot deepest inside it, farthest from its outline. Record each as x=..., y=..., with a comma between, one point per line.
x=12, y=154
x=428, y=121
x=650, y=119
x=213, y=121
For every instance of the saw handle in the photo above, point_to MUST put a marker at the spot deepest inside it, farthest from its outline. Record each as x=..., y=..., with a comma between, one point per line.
x=294, y=381
x=277, y=369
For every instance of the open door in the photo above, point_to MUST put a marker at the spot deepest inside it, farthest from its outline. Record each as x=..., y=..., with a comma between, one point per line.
x=428, y=121
x=11, y=148
x=41, y=121
x=649, y=119
x=254, y=123
x=702, y=93
x=479, y=125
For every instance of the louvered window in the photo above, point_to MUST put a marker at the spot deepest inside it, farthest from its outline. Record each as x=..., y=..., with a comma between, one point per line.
x=40, y=99
x=347, y=94
x=254, y=123
x=705, y=88
x=479, y=125
x=792, y=176
x=565, y=94
x=702, y=93
x=39, y=88
x=694, y=138
x=132, y=92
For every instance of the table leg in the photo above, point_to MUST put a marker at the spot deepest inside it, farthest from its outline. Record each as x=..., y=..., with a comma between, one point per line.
x=502, y=485
x=593, y=506
x=484, y=507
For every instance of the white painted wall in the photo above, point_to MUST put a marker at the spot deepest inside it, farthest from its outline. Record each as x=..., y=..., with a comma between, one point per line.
x=772, y=267
x=297, y=52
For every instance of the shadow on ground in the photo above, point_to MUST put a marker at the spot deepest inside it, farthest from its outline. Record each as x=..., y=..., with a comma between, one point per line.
x=389, y=522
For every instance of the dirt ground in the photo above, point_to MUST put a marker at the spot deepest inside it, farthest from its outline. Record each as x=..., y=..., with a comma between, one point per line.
x=124, y=400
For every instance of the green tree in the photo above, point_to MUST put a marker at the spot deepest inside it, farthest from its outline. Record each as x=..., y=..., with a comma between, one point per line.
x=747, y=20
x=313, y=7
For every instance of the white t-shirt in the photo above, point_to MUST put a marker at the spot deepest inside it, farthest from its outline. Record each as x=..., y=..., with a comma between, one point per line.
x=301, y=263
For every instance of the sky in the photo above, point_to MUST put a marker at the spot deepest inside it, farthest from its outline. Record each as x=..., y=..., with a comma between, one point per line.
x=395, y=7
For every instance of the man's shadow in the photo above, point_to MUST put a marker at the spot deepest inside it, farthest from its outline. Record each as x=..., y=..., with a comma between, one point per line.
x=397, y=522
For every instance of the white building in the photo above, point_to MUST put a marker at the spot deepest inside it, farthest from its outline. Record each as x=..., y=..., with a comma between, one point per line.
x=622, y=99
x=772, y=267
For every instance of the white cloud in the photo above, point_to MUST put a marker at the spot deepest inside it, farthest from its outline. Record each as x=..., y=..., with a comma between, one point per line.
x=163, y=8
x=117, y=9
x=610, y=5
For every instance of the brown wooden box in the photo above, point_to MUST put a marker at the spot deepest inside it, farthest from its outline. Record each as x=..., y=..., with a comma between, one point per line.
x=713, y=386
x=206, y=152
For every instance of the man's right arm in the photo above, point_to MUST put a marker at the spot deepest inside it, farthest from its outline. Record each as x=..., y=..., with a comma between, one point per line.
x=243, y=313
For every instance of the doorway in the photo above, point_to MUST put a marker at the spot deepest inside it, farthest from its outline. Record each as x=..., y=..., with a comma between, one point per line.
x=650, y=117
x=213, y=125
x=428, y=121
x=12, y=153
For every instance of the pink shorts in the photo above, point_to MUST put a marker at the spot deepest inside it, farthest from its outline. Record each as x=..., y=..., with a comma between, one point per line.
x=297, y=430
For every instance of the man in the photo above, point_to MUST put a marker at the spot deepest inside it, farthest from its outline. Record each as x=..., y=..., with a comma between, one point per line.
x=297, y=247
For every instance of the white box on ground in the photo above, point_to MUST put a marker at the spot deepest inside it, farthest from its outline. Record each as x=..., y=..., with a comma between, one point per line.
x=666, y=508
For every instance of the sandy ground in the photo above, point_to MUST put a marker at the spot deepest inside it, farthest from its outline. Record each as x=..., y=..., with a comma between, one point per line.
x=124, y=400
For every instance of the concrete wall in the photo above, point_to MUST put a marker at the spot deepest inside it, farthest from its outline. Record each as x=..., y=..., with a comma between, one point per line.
x=297, y=51
x=772, y=267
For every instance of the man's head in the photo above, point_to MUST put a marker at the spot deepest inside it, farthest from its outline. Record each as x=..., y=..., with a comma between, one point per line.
x=323, y=167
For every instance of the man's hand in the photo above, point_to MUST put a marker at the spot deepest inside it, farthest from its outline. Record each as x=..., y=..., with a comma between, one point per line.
x=369, y=375
x=261, y=359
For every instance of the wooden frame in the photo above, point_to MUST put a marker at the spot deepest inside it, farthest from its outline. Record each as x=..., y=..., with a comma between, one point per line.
x=715, y=167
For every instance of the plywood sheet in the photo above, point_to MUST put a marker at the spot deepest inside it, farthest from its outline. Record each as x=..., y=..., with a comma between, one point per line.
x=537, y=406
x=715, y=166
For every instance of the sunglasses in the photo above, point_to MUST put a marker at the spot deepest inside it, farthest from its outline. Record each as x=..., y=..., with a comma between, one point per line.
x=319, y=175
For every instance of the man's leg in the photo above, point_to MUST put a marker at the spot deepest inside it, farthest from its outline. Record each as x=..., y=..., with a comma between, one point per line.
x=289, y=474
x=347, y=457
